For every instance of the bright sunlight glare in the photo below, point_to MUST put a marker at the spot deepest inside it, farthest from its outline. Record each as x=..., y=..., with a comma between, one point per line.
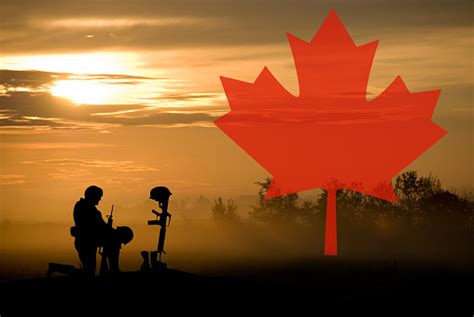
x=84, y=91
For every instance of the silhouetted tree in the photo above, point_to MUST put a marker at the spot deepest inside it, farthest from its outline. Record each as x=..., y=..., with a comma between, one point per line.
x=309, y=212
x=412, y=189
x=421, y=200
x=225, y=212
x=448, y=210
x=282, y=209
x=352, y=207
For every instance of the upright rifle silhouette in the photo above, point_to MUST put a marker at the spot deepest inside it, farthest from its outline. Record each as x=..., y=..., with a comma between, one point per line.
x=163, y=219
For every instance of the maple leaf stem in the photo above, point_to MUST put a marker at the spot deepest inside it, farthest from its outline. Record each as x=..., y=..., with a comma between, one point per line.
x=330, y=242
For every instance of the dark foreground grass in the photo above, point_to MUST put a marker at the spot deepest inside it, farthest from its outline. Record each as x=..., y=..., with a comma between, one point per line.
x=306, y=288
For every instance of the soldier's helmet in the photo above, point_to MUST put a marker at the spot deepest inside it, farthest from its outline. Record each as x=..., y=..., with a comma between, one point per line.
x=125, y=234
x=93, y=192
x=160, y=193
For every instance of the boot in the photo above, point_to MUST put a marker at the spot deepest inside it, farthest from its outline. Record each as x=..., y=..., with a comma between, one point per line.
x=62, y=269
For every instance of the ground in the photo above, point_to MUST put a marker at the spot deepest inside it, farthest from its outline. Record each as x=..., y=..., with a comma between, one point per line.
x=306, y=288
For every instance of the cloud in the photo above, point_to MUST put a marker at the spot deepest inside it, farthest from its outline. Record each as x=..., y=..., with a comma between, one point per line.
x=163, y=118
x=181, y=184
x=42, y=111
x=28, y=79
x=111, y=76
x=188, y=96
x=12, y=179
x=44, y=105
x=463, y=109
x=34, y=79
x=86, y=175
x=115, y=166
x=32, y=26
x=35, y=108
x=118, y=23
x=11, y=176
x=54, y=146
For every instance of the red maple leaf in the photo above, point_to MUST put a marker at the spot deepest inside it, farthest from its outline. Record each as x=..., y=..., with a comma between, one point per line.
x=330, y=136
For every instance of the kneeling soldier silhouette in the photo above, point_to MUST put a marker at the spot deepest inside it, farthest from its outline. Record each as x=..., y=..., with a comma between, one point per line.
x=92, y=232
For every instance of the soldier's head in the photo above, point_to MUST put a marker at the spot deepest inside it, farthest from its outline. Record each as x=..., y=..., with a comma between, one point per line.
x=93, y=194
x=161, y=194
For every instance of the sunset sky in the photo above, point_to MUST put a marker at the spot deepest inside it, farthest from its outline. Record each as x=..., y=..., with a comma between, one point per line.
x=123, y=94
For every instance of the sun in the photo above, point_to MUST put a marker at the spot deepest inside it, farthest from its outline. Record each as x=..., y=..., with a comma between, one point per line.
x=83, y=91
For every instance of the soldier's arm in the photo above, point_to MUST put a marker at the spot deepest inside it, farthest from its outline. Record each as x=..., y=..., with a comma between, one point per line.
x=100, y=220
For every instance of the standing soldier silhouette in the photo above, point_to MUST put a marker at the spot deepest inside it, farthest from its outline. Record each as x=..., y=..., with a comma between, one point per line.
x=91, y=232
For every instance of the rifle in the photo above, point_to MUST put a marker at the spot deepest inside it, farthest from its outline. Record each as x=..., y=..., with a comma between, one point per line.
x=104, y=266
x=109, y=217
x=163, y=219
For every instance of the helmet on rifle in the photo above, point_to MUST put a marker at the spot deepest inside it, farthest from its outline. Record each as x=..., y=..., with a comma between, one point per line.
x=160, y=193
x=125, y=234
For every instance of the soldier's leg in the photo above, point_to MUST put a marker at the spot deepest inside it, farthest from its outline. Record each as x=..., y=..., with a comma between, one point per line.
x=112, y=252
x=114, y=261
x=87, y=255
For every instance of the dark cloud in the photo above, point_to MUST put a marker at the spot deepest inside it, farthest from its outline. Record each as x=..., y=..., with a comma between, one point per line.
x=185, y=96
x=163, y=118
x=33, y=26
x=28, y=79
x=42, y=110
x=114, y=77
x=35, y=123
x=33, y=79
x=44, y=105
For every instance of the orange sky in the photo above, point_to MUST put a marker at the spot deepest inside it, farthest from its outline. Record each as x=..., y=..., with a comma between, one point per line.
x=123, y=94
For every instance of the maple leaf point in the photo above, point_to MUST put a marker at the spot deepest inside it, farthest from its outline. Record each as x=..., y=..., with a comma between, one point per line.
x=330, y=136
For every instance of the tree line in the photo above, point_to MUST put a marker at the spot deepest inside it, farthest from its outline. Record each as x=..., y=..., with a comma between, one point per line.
x=422, y=201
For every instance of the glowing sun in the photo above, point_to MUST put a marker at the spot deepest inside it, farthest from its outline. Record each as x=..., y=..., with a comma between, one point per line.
x=84, y=91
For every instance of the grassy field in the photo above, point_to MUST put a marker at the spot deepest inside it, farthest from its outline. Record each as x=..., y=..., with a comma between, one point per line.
x=244, y=264
x=203, y=247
